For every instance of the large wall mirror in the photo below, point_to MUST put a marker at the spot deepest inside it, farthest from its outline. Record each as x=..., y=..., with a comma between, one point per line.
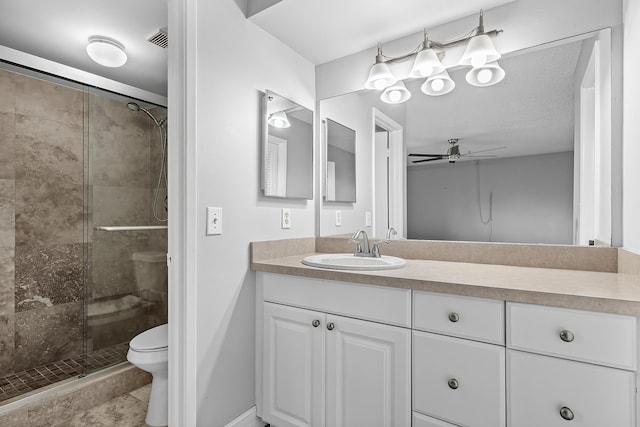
x=287, y=148
x=340, y=179
x=535, y=150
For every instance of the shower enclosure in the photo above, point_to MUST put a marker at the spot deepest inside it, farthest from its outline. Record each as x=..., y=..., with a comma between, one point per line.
x=83, y=236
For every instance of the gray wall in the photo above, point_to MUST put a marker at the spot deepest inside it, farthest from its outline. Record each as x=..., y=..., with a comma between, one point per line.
x=299, y=157
x=345, y=173
x=532, y=200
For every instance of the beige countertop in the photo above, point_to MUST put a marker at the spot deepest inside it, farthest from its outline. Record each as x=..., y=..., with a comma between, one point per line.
x=589, y=290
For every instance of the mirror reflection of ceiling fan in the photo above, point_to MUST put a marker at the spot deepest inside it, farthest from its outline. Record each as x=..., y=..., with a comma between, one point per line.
x=452, y=154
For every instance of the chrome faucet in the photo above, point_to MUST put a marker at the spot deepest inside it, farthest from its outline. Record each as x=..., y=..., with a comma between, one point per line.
x=364, y=250
x=390, y=232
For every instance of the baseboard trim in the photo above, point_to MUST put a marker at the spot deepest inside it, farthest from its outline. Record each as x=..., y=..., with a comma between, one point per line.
x=248, y=419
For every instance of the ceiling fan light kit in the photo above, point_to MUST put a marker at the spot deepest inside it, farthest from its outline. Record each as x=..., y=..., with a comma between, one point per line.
x=480, y=55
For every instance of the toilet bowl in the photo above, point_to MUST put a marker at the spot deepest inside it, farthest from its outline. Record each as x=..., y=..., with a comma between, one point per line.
x=149, y=352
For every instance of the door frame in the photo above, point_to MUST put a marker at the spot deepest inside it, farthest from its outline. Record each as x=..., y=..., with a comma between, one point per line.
x=397, y=170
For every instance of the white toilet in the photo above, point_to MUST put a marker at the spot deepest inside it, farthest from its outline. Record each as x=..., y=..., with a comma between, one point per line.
x=149, y=351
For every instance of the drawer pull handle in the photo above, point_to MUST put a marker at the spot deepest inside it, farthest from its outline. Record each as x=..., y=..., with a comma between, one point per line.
x=315, y=323
x=330, y=326
x=454, y=317
x=453, y=383
x=566, y=336
x=566, y=413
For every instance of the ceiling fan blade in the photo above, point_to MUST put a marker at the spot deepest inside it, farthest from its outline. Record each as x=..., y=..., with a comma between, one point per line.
x=424, y=155
x=429, y=160
x=471, y=157
x=488, y=149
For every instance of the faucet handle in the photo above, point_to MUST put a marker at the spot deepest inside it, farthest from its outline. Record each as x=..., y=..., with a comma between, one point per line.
x=376, y=250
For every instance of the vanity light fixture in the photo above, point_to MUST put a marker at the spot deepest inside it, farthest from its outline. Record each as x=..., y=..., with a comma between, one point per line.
x=480, y=55
x=279, y=119
x=106, y=51
x=396, y=93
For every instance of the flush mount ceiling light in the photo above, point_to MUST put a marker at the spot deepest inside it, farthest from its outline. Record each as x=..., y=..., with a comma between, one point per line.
x=106, y=51
x=480, y=54
x=279, y=119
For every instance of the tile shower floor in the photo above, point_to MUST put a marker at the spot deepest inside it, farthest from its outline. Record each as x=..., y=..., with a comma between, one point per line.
x=32, y=379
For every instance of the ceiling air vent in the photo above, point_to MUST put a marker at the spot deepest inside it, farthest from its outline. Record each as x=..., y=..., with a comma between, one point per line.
x=160, y=38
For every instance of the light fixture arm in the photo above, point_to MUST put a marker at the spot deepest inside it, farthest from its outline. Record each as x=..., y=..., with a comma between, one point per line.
x=430, y=44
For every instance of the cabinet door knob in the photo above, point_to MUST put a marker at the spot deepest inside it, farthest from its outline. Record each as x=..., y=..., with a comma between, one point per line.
x=454, y=317
x=566, y=413
x=453, y=383
x=566, y=336
x=315, y=323
x=330, y=326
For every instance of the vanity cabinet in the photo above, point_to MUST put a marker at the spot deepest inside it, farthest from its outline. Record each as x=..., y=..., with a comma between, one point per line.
x=333, y=353
x=570, y=365
x=321, y=368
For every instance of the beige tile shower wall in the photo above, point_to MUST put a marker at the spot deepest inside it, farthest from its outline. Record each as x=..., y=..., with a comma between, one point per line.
x=41, y=221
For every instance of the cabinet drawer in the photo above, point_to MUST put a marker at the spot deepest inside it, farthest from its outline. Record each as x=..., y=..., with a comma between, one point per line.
x=459, y=381
x=541, y=387
x=368, y=302
x=420, y=420
x=600, y=338
x=466, y=317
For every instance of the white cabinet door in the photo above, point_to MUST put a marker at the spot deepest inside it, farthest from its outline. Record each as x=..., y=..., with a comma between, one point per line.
x=293, y=365
x=550, y=392
x=459, y=381
x=368, y=374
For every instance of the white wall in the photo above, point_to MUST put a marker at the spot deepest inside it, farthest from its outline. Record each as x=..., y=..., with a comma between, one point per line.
x=235, y=60
x=631, y=127
x=532, y=200
x=355, y=111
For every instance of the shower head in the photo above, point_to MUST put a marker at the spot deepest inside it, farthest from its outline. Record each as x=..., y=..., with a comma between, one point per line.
x=135, y=107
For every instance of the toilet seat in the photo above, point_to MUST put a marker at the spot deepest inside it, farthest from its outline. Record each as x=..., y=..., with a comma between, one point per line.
x=154, y=339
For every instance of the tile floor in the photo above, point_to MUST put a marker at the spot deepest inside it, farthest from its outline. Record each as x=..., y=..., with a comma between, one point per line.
x=128, y=410
x=32, y=379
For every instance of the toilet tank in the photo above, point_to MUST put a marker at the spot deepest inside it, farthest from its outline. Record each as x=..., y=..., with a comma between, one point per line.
x=150, y=269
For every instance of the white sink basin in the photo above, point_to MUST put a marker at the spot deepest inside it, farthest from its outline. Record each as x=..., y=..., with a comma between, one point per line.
x=352, y=262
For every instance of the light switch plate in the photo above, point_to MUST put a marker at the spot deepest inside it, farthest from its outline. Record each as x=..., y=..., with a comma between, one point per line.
x=338, y=218
x=286, y=218
x=367, y=219
x=214, y=221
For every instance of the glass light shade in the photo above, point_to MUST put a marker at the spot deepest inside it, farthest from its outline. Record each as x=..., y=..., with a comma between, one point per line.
x=426, y=64
x=438, y=84
x=487, y=75
x=396, y=94
x=279, y=119
x=380, y=77
x=106, y=52
x=479, y=51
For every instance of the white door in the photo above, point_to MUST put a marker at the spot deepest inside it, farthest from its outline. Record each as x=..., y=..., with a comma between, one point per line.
x=293, y=364
x=367, y=374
